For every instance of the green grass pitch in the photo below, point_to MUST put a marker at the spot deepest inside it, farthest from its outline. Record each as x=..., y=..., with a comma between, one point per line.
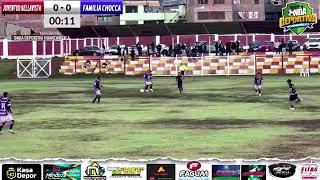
x=216, y=117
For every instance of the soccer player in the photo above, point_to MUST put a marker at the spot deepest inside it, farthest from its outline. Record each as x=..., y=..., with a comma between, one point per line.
x=179, y=80
x=97, y=87
x=258, y=80
x=293, y=94
x=148, y=81
x=6, y=113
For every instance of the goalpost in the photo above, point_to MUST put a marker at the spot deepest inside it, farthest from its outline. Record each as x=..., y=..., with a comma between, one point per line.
x=34, y=68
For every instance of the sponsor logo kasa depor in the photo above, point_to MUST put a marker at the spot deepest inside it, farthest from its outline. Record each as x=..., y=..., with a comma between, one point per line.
x=21, y=171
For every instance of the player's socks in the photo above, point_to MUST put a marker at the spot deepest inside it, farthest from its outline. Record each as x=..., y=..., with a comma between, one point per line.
x=1, y=127
x=12, y=124
x=94, y=100
x=99, y=99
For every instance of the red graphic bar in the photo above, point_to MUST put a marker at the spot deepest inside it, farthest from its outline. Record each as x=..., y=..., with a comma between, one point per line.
x=22, y=7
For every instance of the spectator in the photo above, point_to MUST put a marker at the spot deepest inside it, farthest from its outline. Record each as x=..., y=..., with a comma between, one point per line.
x=237, y=47
x=221, y=49
x=127, y=50
x=280, y=47
x=132, y=53
x=216, y=46
x=170, y=50
x=148, y=50
x=290, y=45
x=119, y=50
x=159, y=49
x=153, y=47
x=277, y=46
x=228, y=49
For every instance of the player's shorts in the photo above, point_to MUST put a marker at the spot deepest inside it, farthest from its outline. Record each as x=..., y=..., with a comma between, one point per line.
x=98, y=92
x=7, y=118
x=148, y=83
x=293, y=97
x=257, y=86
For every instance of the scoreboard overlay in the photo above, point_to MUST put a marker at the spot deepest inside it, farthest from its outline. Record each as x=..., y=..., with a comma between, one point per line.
x=62, y=13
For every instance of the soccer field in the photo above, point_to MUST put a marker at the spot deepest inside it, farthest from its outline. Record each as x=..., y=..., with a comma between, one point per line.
x=216, y=117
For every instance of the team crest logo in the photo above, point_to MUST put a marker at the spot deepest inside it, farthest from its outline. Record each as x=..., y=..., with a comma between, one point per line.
x=11, y=173
x=297, y=17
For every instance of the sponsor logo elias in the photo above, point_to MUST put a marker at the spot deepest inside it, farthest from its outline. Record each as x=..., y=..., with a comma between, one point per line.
x=310, y=170
x=282, y=170
x=194, y=170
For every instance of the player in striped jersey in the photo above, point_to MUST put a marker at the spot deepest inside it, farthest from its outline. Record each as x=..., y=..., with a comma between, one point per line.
x=6, y=113
x=97, y=88
x=293, y=94
x=258, y=82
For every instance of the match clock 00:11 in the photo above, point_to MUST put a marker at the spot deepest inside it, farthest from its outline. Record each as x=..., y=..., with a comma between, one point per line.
x=62, y=21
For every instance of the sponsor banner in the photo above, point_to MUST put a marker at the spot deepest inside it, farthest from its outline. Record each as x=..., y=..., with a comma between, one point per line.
x=229, y=172
x=94, y=171
x=21, y=171
x=126, y=170
x=287, y=171
x=256, y=172
x=62, y=171
x=193, y=170
x=161, y=171
x=310, y=170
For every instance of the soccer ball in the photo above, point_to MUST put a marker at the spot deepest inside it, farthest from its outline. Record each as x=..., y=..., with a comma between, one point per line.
x=142, y=90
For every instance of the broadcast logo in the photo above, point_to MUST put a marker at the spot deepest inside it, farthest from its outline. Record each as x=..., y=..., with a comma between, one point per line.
x=194, y=172
x=222, y=172
x=126, y=172
x=161, y=171
x=297, y=17
x=310, y=170
x=62, y=171
x=95, y=172
x=21, y=171
x=253, y=172
x=282, y=170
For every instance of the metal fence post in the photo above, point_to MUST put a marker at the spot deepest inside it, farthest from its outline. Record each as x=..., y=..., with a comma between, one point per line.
x=255, y=63
x=309, y=63
x=282, y=69
x=202, y=65
x=228, y=65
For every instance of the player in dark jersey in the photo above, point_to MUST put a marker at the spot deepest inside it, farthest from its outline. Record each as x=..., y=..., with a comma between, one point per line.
x=179, y=80
x=258, y=82
x=293, y=94
x=6, y=113
x=97, y=88
x=148, y=81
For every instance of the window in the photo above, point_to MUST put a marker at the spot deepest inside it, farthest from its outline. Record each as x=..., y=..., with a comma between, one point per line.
x=256, y=1
x=131, y=9
x=203, y=15
x=211, y=15
x=217, y=15
x=202, y=1
x=102, y=19
x=237, y=2
x=131, y=22
x=218, y=2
